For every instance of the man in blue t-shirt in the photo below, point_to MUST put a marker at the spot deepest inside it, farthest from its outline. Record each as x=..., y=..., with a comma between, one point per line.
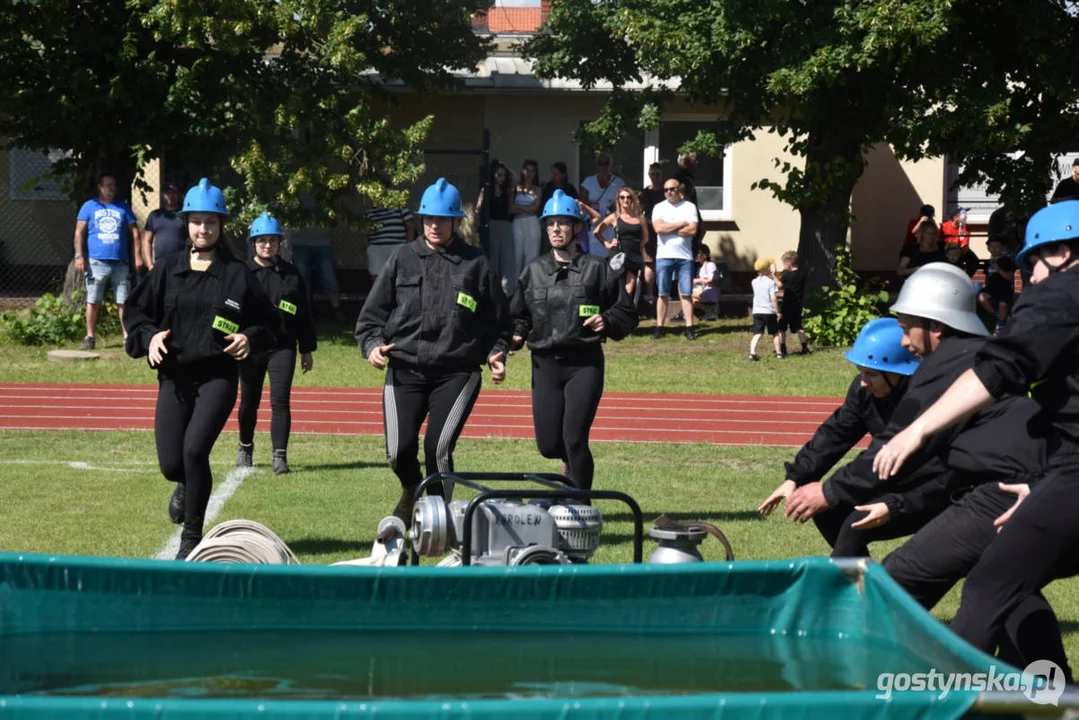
x=106, y=236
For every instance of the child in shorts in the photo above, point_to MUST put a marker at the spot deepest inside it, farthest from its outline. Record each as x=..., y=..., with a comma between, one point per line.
x=765, y=302
x=790, y=315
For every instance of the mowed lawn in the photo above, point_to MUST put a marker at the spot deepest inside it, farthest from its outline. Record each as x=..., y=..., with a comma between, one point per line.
x=100, y=494
x=717, y=362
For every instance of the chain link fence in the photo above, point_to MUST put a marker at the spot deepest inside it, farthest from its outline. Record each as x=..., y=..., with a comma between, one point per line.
x=37, y=223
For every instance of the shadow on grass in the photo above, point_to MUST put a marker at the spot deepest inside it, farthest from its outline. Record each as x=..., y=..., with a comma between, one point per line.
x=651, y=515
x=329, y=546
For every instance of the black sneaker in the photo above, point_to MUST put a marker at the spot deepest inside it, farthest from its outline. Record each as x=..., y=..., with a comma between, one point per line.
x=280, y=464
x=806, y=350
x=245, y=456
x=657, y=333
x=755, y=358
x=189, y=540
x=176, y=504
x=691, y=334
x=88, y=342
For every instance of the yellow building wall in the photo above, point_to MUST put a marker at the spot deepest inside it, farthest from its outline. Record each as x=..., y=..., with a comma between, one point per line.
x=888, y=195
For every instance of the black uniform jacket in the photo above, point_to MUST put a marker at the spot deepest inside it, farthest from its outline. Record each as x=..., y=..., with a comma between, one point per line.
x=860, y=413
x=200, y=308
x=1002, y=443
x=1038, y=351
x=552, y=302
x=284, y=287
x=442, y=310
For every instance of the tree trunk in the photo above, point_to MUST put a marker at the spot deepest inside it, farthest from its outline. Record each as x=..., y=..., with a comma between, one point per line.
x=833, y=165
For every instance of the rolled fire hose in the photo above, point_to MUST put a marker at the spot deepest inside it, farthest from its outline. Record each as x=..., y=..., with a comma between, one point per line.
x=665, y=523
x=248, y=542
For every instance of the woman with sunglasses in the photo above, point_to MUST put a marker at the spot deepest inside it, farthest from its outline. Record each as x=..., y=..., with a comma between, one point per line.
x=567, y=303
x=631, y=236
x=283, y=284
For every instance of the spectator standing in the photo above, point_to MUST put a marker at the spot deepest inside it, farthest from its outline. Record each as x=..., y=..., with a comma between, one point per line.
x=649, y=197
x=600, y=191
x=632, y=234
x=525, y=211
x=106, y=235
x=675, y=221
x=498, y=195
x=686, y=175
x=393, y=228
x=1068, y=188
x=164, y=233
x=312, y=250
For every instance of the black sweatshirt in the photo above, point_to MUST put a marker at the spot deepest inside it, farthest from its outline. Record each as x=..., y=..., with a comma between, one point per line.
x=1038, y=352
x=552, y=301
x=442, y=310
x=200, y=308
x=284, y=286
x=860, y=413
x=1002, y=443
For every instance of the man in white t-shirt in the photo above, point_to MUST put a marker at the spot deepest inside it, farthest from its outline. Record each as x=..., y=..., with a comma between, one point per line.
x=600, y=191
x=675, y=222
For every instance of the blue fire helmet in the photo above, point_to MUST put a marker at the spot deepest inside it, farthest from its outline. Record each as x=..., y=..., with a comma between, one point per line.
x=441, y=200
x=561, y=205
x=1053, y=224
x=265, y=224
x=204, y=197
x=880, y=347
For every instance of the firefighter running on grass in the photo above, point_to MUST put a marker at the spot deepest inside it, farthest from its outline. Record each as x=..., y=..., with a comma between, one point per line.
x=566, y=304
x=435, y=316
x=285, y=287
x=194, y=317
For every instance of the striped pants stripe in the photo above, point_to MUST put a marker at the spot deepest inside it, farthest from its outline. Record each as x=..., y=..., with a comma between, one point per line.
x=445, y=400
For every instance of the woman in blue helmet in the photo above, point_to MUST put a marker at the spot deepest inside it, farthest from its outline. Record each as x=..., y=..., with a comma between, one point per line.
x=884, y=367
x=566, y=304
x=197, y=314
x=1036, y=352
x=435, y=315
x=284, y=286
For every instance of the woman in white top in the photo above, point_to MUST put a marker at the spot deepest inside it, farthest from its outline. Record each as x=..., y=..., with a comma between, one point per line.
x=525, y=211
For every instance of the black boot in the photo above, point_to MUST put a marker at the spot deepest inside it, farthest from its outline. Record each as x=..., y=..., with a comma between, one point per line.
x=176, y=504
x=190, y=537
x=280, y=462
x=405, y=506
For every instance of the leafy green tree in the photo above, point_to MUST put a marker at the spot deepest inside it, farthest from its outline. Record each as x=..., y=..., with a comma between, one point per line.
x=972, y=80
x=269, y=99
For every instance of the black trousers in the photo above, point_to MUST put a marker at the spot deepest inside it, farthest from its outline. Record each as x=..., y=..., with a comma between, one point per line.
x=192, y=408
x=835, y=525
x=445, y=399
x=566, y=391
x=1002, y=604
x=943, y=552
x=281, y=365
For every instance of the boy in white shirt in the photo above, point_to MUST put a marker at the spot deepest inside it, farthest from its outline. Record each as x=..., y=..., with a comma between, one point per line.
x=765, y=302
x=675, y=222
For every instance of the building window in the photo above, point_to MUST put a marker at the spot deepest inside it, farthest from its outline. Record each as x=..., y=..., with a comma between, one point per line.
x=637, y=150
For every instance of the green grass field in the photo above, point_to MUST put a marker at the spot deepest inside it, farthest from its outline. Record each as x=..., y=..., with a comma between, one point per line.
x=715, y=363
x=100, y=494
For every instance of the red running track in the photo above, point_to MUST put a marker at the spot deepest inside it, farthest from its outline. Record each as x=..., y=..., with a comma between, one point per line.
x=638, y=417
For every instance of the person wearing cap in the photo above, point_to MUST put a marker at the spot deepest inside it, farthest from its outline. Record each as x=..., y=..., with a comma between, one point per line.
x=765, y=306
x=1035, y=353
x=1068, y=188
x=566, y=304
x=284, y=286
x=164, y=234
x=936, y=311
x=197, y=314
x=435, y=315
x=884, y=368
